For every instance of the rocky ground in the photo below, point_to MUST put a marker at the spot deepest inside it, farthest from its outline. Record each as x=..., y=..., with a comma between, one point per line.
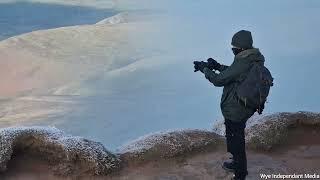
x=298, y=153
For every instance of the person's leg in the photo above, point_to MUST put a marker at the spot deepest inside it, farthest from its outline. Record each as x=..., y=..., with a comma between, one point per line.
x=229, y=164
x=228, y=135
x=238, y=148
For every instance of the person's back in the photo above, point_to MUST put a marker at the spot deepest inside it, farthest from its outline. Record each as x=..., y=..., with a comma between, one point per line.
x=234, y=109
x=231, y=106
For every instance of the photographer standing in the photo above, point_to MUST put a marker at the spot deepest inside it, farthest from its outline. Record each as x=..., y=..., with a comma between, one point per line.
x=246, y=85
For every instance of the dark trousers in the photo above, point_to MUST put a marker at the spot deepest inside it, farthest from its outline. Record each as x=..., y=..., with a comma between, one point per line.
x=236, y=145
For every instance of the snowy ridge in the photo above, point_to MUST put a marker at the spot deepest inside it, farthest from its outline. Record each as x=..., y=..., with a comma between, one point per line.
x=131, y=17
x=117, y=19
x=88, y=3
x=45, y=60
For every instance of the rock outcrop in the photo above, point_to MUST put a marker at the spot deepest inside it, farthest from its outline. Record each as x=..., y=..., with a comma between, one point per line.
x=169, y=144
x=66, y=153
x=272, y=130
x=267, y=131
x=70, y=155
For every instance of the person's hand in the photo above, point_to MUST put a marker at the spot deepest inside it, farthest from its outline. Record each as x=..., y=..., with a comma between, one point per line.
x=196, y=65
x=199, y=66
x=213, y=64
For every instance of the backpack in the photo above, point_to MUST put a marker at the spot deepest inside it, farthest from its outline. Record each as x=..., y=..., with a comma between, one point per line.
x=254, y=89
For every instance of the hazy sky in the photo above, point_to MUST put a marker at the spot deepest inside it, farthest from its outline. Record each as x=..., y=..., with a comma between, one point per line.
x=285, y=31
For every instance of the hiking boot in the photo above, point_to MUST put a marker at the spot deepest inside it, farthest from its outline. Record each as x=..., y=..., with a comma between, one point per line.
x=229, y=166
x=238, y=178
x=241, y=176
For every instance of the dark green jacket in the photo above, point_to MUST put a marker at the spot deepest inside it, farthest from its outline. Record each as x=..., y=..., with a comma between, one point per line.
x=228, y=78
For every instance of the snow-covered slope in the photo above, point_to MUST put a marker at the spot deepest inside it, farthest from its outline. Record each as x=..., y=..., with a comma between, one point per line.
x=90, y=3
x=57, y=57
x=114, y=64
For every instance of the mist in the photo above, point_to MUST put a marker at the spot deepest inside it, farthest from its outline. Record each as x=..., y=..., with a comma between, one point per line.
x=146, y=82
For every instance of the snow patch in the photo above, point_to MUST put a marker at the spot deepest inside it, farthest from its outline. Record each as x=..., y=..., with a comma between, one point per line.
x=117, y=19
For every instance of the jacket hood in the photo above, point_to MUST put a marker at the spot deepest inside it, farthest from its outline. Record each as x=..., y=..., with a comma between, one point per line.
x=251, y=55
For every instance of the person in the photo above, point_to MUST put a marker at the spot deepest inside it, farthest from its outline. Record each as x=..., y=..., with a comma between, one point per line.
x=235, y=112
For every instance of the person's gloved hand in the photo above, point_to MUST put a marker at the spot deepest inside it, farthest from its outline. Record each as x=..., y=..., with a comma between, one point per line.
x=199, y=66
x=196, y=65
x=213, y=64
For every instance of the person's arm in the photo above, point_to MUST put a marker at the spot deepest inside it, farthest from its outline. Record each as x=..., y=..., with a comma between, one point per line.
x=222, y=68
x=226, y=75
x=213, y=64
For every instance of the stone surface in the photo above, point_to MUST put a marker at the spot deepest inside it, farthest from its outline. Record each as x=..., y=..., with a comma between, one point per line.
x=66, y=153
x=265, y=132
x=169, y=144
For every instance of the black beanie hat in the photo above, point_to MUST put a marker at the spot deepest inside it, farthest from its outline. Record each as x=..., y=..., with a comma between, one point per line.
x=242, y=39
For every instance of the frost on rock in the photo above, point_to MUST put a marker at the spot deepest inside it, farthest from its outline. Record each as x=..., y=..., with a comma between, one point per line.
x=66, y=153
x=273, y=129
x=267, y=131
x=168, y=144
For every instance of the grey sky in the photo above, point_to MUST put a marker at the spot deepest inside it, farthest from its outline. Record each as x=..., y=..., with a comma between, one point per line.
x=285, y=31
